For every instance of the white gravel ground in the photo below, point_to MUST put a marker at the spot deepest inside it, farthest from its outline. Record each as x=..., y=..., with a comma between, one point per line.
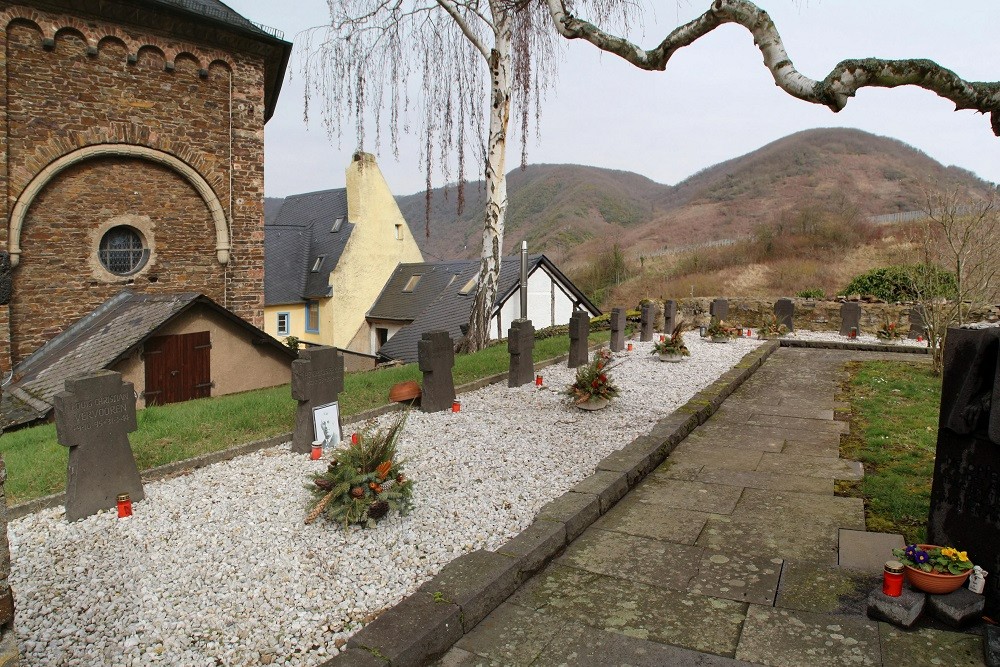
x=217, y=567
x=833, y=336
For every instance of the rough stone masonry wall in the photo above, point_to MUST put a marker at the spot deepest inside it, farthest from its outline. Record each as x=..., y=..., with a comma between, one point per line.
x=66, y=83
x=8, y=638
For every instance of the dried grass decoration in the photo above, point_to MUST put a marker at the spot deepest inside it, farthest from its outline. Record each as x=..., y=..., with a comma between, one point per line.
x=364, y=482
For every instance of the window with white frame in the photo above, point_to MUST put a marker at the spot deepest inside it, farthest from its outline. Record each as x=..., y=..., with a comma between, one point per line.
x=284, y=324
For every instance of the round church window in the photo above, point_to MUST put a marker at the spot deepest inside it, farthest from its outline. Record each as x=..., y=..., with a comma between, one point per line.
x=122, y=250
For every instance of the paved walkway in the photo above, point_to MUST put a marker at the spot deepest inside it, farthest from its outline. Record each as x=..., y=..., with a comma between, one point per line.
x=726, y=554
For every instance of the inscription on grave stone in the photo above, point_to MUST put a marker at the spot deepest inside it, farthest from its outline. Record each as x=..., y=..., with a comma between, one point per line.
x=850, y=317
x=94, y=416
x=646, y=323
x=617, y=329
x=669, y=315
x=317, y=379
x=436, y=356
x=784, y=310
x=520, y=343
x=965, y=494
x=579, y=331
x=719, y=309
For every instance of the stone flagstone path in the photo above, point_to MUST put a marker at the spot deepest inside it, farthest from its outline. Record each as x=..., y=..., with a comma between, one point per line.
x=726, y=554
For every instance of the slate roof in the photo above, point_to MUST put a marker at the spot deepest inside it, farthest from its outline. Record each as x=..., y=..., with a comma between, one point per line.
x=218, y=11
x=98, y=340
x=395, y=304
x=450, y=310
x=297, y=234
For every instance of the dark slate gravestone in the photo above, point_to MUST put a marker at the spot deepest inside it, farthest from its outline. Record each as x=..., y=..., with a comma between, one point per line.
x=965, y=494
x=784, y=310
x=719, y=309
x=646, y=323
x=850, y=317
x=93, y=418
x=918, y=328
x=520, y=343
x=669, y=316
x=317, y=379
x=617, y=329
x=436, y=356
x=579, y=332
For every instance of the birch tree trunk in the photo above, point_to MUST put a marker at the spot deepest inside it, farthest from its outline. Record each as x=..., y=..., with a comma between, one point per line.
x=478, y=334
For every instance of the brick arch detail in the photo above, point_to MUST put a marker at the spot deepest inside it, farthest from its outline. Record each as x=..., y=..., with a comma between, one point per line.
x=45, y=176
x=50, y=25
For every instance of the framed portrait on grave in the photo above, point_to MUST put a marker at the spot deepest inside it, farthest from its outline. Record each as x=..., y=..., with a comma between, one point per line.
x=326, y=424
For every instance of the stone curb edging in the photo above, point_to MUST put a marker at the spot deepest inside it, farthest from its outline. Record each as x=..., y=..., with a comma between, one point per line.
x=187, y=465
x=854, y=347
x=428, y=622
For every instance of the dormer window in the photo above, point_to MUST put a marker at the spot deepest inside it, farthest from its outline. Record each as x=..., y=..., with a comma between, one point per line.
x=337, y=224
x=469, y=286
x=411, y=284
x=318, y=263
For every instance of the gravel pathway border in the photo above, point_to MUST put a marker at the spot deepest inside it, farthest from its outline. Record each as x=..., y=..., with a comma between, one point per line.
x=428, y=622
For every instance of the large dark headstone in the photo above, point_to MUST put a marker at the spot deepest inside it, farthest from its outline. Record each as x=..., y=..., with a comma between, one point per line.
x=669, y=315
x=617, y=329
x=436, y=356
x=317, y=379
x=646, y=323
x=965, y=495
x=850, y=317
x=719, y=309
x=784, y=310
x=918, y=326
x=579, y=333
x=93, y=418
x=520, y=343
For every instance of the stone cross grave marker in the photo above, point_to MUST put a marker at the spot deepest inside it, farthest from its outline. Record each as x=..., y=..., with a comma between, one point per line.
x=850, y=317
x=94, y=416
x=646, y=323
x=579, y=331
x=964, y=509
x=917, y=326
x=719, y=309
x=617, y=329
x=784, y=310
x=317, y=379
x=436, y=356
x=669, y=316
x=520, y=343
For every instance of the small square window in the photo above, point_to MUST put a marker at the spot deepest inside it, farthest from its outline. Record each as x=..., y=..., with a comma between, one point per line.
x=411, y=284
x=318, y=263
x=337, y=224
x=284, y=324
x=312, y=316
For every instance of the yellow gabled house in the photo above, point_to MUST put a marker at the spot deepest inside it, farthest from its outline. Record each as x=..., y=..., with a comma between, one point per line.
x=327, y=256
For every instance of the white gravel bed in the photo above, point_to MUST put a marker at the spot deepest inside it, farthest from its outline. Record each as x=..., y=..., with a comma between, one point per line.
x=216, y=567
x=870, y=339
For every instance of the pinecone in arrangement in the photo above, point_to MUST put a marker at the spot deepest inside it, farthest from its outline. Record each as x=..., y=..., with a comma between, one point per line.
x=357, y=492
x=378, y=509
x=333, y=466
x=324, y=484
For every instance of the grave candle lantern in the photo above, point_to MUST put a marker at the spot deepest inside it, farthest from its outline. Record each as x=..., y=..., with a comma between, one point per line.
x=456, y=406
x=354, y=438
x=630, y=347
x=854, y=332
x=538, y=380
x=124, y=506
x=317, y=450
x=892, y=579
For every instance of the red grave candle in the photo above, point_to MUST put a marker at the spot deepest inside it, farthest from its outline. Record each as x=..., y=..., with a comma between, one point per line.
x=538, y=380
x=892, y=579
x=124, y=505
x=456, y=406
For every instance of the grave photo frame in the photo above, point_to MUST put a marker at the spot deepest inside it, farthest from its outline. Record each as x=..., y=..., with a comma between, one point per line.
x=326, y=424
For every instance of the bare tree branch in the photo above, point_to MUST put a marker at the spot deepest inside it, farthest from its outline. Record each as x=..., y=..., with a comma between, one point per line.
x=450, y=7
x=834, y=91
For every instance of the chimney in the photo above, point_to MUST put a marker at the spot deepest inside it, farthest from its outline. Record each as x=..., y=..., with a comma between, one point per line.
x=364, y=180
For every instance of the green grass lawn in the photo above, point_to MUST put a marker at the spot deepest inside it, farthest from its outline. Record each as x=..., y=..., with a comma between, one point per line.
x=36, y=463
x=894, y=433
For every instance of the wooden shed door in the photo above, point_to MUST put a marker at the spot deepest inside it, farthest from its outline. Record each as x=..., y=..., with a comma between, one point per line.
x=178, y=368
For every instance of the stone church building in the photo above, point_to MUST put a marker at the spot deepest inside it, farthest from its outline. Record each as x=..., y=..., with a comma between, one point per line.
x=132, y=134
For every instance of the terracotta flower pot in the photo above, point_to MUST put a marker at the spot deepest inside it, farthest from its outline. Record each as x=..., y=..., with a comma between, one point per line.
x=934, y=582
x=403, y=392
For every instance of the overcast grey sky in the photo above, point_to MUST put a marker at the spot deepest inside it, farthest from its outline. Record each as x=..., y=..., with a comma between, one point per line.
x=716, y=100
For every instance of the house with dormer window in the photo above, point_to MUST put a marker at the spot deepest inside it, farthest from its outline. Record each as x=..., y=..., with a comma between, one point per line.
x=327, y=256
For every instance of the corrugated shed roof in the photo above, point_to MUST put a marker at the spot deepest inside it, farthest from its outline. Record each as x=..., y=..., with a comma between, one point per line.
x=94, y=342
x=299, y=234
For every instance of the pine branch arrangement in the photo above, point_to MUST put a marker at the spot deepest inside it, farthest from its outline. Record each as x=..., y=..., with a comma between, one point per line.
x=674, y=344
x=592, y=380
x=364, y=482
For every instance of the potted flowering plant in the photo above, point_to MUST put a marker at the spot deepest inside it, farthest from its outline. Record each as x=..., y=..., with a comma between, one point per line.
x=771, y=327
x=593, y=388
x=673, y=348
x=890, y=330
x=934, y=569
x=718, y=331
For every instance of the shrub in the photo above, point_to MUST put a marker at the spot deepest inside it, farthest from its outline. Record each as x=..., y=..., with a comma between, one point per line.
x=903, y=283
x=811, y=293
